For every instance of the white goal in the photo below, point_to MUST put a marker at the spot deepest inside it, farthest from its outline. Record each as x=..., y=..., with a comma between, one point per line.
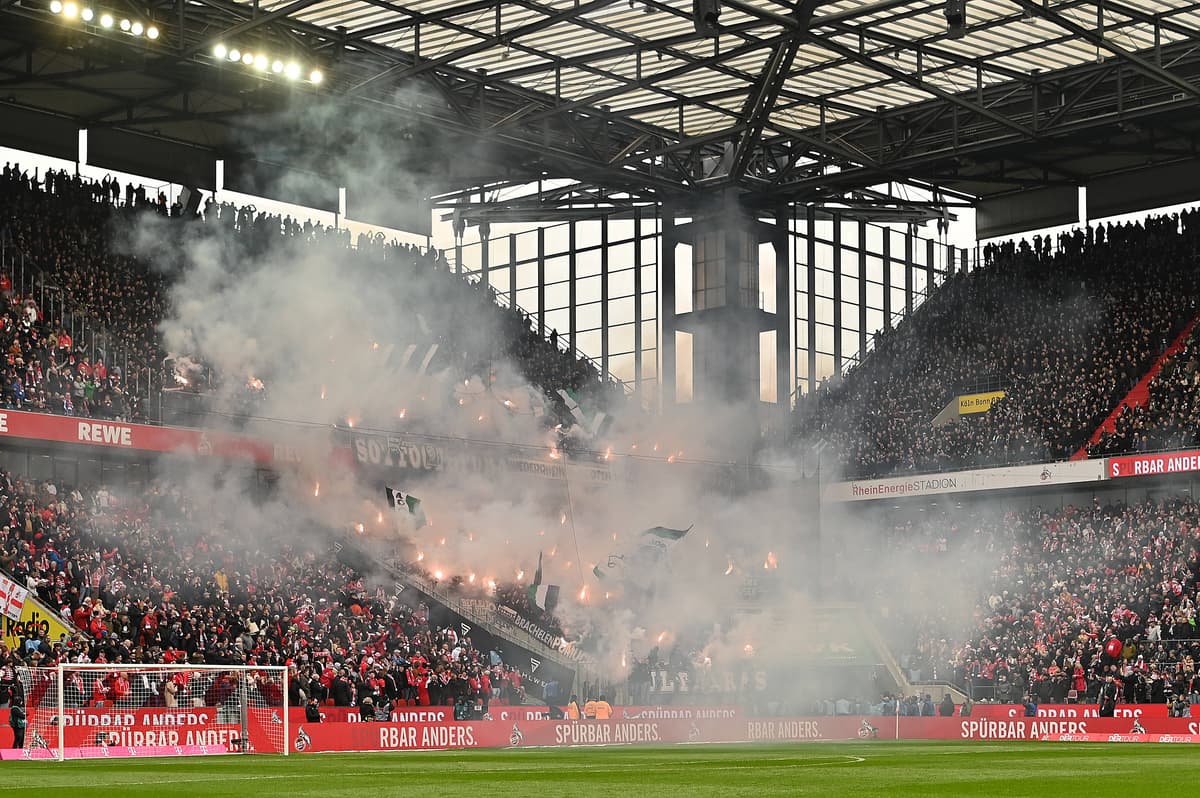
x=76, y=710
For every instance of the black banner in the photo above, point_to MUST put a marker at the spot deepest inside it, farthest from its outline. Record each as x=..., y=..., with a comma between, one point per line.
x=536, y=670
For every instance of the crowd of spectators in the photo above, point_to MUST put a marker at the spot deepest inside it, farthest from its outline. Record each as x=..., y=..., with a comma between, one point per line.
x=60, y=227
x=1170, y=419
x=153, y=577
x=516, y=598
x=1065, y=333
x=1047, y=592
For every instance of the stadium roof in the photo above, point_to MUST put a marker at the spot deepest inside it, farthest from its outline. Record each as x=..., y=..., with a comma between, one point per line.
x=814, y=102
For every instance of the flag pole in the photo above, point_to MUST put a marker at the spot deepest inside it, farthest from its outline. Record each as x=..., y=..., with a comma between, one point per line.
x=571, y=517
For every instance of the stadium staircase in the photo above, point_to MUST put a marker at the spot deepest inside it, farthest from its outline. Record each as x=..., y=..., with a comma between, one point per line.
x=1139, y=395
x=904, y=686
x=482, y=614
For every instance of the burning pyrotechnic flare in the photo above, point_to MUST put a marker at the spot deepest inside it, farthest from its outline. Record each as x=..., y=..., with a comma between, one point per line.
x=317, y=489
x=661, y=636
x=420, y=556
x=729, y=569
x=771, y=563
x=358, y=528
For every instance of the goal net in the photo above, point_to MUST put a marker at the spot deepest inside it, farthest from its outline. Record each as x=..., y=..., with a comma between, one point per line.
x=76, y=710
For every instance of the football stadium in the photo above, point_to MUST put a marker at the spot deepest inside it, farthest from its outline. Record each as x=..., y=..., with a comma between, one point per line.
x=709, y=397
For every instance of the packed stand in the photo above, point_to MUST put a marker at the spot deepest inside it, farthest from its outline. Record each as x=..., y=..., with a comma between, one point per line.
x=1170, y=419
x=1045, y=594
x=47, y=367
x=146, y=581
x=62, y=224
x=1066, y=334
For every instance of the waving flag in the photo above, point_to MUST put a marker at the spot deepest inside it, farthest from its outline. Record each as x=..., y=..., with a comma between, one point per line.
x=12, y=598
x=406, y=504
x=544, y=596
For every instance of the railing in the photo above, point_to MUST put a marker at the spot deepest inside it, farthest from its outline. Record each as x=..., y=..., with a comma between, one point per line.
x=502, y=299
x=486, y=618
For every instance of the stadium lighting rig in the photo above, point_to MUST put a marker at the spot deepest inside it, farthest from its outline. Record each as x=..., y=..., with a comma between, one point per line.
x=266, y=64
x=263, y=64
x=85, y=15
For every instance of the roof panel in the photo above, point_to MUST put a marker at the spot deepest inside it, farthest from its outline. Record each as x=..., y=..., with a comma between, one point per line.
x=872, y=44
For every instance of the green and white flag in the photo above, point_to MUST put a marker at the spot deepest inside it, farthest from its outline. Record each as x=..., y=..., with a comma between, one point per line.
x=406, y=504
x=544, y=596
x=643, y=560
x=591, y=421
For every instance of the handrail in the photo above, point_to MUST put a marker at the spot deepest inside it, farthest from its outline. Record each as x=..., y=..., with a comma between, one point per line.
x=398, y=570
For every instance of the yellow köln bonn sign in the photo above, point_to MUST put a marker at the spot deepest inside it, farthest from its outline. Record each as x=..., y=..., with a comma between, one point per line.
x=978, y=402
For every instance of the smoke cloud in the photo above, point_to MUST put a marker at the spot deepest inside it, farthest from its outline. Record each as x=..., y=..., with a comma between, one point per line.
x=309, y=340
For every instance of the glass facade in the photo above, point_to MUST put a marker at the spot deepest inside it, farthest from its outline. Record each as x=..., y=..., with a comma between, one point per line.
x=852, y=280
x=595, y=282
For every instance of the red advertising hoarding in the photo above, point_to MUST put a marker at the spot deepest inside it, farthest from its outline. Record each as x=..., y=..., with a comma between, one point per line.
x=138, y=437
x=501, y=712
x=1006, y=711
x=1143, y=465
x=310, y=738
x=144, y=736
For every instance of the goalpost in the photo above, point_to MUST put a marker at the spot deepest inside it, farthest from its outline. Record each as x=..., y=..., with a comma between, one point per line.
x=77, y=710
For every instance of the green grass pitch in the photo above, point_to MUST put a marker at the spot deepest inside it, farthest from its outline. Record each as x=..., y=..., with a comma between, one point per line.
x=854, y=769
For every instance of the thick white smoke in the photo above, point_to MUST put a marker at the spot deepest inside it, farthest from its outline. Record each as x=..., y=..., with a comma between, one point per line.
x=322, y=329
